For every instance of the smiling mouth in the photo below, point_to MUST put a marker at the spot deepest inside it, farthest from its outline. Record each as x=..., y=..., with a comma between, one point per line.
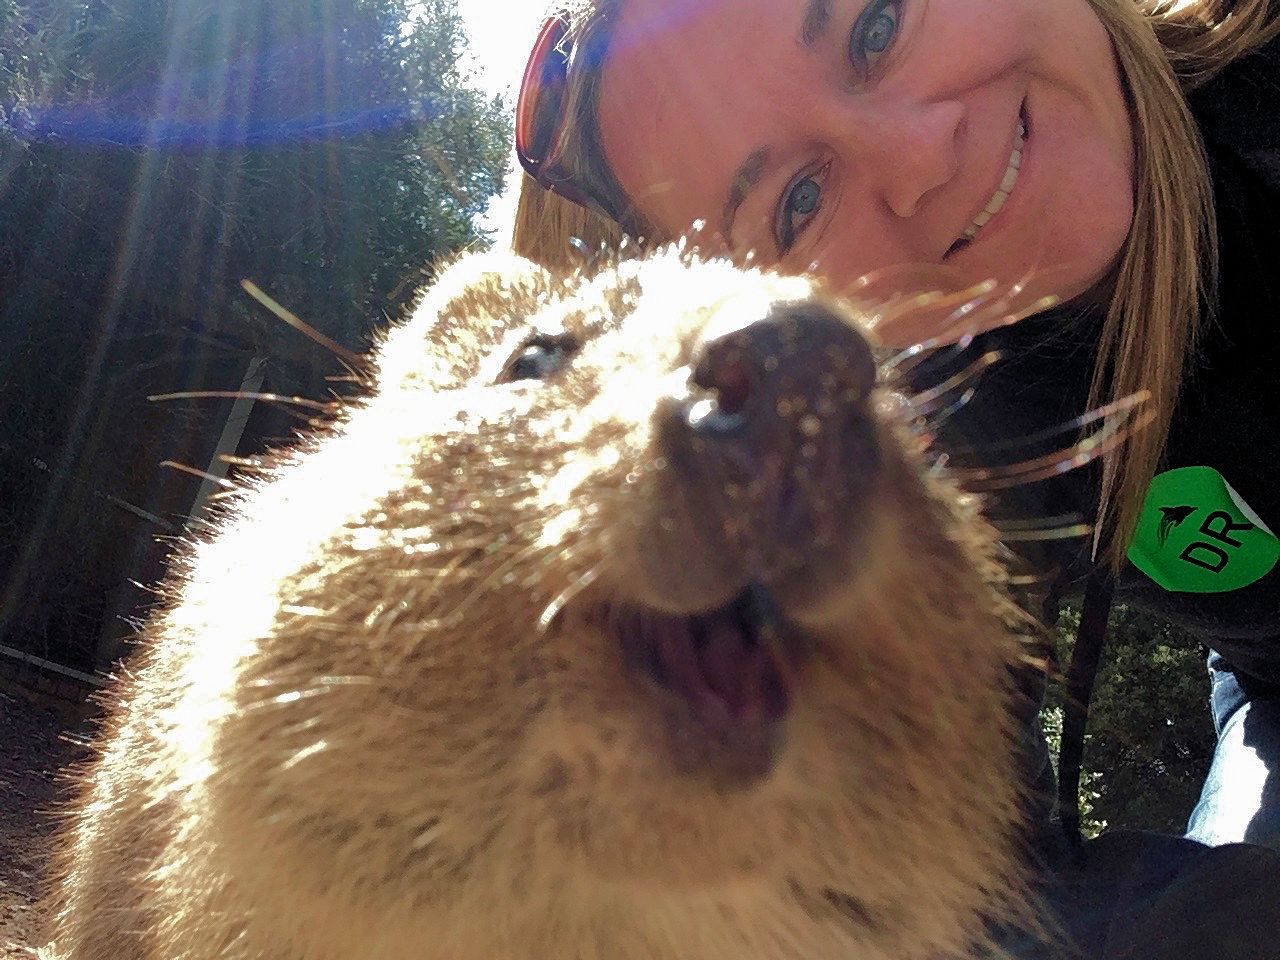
x=1002, y=193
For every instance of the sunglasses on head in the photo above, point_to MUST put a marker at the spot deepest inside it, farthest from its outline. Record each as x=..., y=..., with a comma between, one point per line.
x=542, y=117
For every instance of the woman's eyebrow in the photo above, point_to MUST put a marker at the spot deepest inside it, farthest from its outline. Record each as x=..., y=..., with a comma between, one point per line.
x=744, y=181
x=817, y=18
x=814, y=26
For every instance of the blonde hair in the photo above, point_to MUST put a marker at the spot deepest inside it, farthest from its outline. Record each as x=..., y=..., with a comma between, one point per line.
x=548, y=229
x=1166, y=272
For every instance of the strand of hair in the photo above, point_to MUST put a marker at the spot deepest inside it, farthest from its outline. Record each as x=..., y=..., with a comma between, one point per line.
x=1123, y=405
x=928, y=401
x=554, y=608
x=202, y=474
x=1037, y=523
x=300, y=325
x=1036, y=464
x=939, y=418
x=1049, y=533
x=1066, y=461
x=239, y=395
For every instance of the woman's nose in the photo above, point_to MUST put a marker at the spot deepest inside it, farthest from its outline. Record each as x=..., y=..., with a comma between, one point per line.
x=904, y=150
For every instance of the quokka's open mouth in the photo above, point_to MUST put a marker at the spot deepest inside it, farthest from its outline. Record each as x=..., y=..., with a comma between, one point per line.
x=734, y=666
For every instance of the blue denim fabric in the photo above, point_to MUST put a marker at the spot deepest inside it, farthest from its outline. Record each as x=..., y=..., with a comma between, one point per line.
x=1241, y=796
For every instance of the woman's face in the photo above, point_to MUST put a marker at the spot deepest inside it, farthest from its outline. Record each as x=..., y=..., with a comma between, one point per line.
x=844, y=136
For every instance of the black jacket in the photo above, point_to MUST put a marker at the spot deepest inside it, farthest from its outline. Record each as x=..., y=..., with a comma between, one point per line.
x=1227, y=421
x=1135, y=896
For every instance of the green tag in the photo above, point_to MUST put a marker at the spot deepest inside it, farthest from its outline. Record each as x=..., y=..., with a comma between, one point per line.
x=1196, y=535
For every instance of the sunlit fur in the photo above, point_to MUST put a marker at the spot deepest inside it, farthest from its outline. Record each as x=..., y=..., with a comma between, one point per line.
x=356, y=732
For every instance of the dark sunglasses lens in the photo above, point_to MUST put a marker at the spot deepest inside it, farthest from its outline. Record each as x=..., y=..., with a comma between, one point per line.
x=539, y=112
x=540, y=119
x=548, y=113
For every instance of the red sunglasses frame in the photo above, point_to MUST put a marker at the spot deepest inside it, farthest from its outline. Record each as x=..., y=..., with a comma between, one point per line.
x=541, y=122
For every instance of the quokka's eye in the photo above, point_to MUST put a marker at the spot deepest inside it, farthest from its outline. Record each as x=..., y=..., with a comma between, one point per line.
x=541, y=356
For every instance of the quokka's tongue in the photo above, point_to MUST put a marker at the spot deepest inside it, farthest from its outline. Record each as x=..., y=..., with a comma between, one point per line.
x=720, y=664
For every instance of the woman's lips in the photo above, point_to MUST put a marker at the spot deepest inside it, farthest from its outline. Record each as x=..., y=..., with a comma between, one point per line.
x=1001, y=195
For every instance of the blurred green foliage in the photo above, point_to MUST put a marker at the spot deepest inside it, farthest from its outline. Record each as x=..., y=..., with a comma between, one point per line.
x=1150, y=735
x=153, y=154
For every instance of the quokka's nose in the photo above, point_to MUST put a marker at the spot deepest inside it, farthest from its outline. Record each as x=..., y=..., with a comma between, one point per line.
x=780, y=378
x=774, y=433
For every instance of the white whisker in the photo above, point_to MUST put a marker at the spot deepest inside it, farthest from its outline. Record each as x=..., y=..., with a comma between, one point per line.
x=929, y=400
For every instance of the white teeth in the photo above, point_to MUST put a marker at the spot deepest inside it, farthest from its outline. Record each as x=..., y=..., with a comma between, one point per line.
x=1010, y=178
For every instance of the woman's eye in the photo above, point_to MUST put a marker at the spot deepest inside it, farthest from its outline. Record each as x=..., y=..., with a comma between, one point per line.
x=539, y=358
x=874, y=33
x=800, y=204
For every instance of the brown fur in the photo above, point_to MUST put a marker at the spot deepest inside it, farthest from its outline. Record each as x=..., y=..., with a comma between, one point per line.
x=358, y=731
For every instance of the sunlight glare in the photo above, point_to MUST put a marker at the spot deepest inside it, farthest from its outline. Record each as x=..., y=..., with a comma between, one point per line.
x=501, y=34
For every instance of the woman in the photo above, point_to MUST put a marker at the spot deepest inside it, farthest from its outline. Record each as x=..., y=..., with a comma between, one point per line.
x=1123, y=154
